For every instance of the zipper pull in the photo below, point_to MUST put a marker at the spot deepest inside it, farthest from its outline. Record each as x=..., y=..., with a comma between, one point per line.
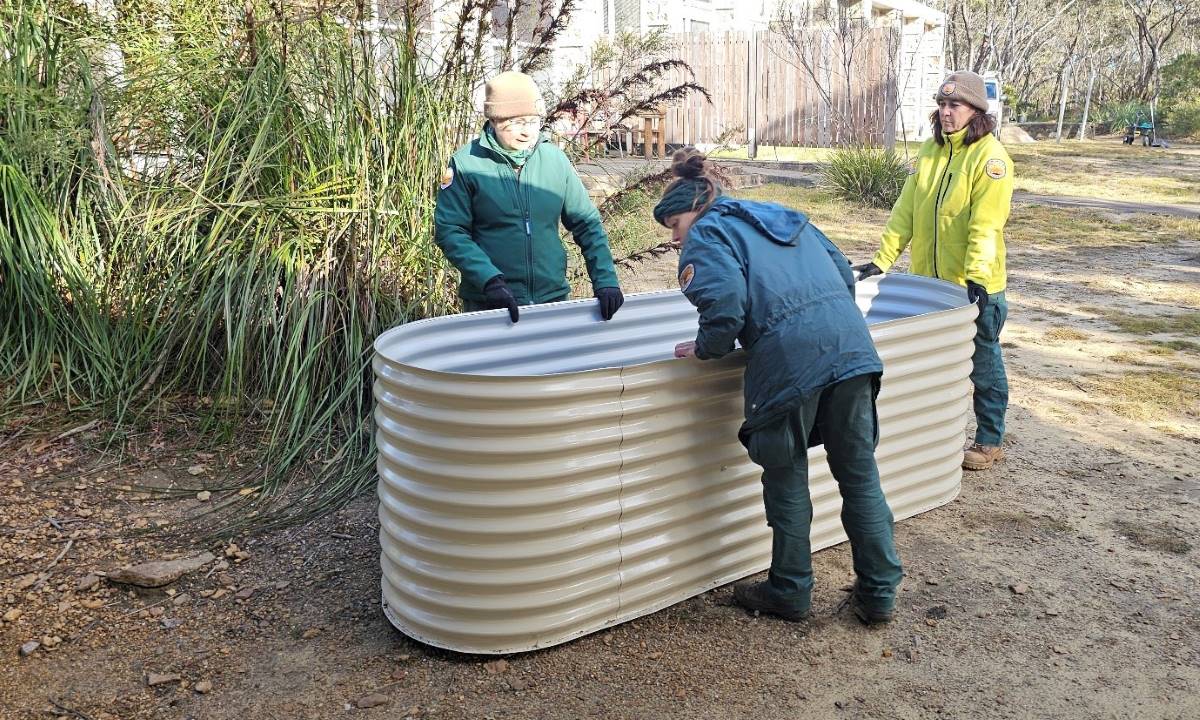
x=528, y=229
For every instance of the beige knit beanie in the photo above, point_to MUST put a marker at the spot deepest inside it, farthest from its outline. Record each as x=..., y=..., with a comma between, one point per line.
x=512, y=94
x=964, y=86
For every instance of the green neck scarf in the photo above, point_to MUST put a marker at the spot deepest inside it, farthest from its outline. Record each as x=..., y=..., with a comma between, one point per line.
x=516, y=158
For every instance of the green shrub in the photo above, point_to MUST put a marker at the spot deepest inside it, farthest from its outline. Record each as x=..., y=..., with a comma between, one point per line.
x=1183, y=120
x=866, y=175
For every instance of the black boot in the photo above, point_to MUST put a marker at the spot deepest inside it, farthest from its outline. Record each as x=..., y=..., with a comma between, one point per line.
x=759, y=596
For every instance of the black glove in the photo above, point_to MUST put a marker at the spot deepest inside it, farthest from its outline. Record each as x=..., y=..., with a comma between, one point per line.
x=866, y=270
x=497, y=295
x=977, y=294
x=611, y=300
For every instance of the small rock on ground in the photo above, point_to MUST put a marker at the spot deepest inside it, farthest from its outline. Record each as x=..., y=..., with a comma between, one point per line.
x=370, y=701
x=159, y=572
x=156, y=679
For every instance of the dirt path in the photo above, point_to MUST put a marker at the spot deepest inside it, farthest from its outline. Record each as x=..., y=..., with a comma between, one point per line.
x=1062, y=584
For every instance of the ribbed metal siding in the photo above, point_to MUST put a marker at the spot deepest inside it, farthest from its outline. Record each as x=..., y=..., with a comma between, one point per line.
x=544, y=480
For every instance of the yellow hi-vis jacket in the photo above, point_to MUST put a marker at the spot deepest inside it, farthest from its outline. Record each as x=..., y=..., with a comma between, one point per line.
x=953, y=209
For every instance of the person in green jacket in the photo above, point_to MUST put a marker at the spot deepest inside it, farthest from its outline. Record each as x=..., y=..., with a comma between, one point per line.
x=500, y=203
x=951, y=213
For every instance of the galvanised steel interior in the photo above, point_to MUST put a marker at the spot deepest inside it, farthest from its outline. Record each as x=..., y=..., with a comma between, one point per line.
x=544, y=480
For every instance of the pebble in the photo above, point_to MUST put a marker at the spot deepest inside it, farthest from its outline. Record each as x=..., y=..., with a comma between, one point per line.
x=1060, y=650
x=30, y=648
x=26, y=581
x=245, y=593
x=655, y=655
x=282, y=585
x=219, y=593
x=370, y=701
x=310, y=633
x=92, y=603
x=495, y=667
x=196, y=470
x=157, y=612
x=51, y=641
x=87, y=582
x=204, y=496
x=887, y=652
x=13, y=615
x=203, y=687
x=171, y=623
x=156, y=679
x=181, y=599
x=519, y=684
x=1019, y=588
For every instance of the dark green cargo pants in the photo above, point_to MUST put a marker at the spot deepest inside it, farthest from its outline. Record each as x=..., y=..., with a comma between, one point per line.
x=844, y=415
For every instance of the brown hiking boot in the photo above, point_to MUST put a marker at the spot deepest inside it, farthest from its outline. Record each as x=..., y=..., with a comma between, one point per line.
x=982, y=457
x=758, y=596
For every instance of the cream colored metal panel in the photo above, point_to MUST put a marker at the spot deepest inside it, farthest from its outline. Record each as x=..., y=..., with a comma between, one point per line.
x=544, y=480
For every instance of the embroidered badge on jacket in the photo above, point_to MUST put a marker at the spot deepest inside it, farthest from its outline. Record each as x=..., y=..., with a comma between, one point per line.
x=447, y=178
x=686, y=277
x=995, y=168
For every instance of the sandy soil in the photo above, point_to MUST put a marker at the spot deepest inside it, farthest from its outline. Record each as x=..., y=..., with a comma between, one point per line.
x=1061, y=584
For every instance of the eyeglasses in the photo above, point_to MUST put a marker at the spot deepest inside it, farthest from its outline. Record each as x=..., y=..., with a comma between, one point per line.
x=532, y=123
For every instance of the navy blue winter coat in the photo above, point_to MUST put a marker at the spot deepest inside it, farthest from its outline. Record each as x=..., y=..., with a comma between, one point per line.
x=764, y=275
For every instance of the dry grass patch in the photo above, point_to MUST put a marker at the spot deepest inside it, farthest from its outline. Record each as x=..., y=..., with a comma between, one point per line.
x=1065, y=334
x=1167, y=348
x=1106, y=169
x=1184, y=323
x=1075, y=229
x=1146, y=396
x=1158, y=537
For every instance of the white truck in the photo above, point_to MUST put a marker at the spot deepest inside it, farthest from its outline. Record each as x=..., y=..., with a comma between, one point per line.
x=995, y=98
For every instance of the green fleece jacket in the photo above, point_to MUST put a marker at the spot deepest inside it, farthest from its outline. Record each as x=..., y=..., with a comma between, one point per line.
x=494, y=219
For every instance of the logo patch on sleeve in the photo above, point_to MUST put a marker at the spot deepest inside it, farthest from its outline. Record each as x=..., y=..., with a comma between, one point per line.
x=686, y=277
x=447, y=178
x=995, y=168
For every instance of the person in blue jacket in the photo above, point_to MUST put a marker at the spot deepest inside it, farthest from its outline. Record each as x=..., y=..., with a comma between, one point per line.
x=763, y=275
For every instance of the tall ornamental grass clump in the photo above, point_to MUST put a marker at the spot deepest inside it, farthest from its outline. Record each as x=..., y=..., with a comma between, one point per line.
x=247, y=250
x=866, y=175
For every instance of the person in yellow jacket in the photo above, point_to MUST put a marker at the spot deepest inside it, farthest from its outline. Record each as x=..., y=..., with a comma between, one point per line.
x=951, y=214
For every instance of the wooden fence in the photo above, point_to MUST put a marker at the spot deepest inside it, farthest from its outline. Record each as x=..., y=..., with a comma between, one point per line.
x=814, y=90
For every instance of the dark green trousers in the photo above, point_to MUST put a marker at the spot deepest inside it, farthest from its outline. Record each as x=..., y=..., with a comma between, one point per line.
x=844, y=415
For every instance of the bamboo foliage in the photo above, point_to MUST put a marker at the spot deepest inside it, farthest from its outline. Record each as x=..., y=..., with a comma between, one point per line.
x=253, y=264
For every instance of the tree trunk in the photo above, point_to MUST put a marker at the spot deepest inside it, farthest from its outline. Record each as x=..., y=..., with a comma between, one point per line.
x=1087, y=104
x=1062, y=103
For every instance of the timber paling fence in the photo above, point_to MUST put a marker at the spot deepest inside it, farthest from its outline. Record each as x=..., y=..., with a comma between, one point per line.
x=764, y=92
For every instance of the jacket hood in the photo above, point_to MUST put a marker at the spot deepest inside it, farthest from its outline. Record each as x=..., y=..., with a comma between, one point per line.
x=779, y=224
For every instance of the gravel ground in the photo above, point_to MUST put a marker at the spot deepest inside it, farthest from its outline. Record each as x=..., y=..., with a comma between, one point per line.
x=1061, y=584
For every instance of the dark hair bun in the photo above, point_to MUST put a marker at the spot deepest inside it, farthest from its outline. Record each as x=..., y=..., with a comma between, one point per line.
x=689, y=163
